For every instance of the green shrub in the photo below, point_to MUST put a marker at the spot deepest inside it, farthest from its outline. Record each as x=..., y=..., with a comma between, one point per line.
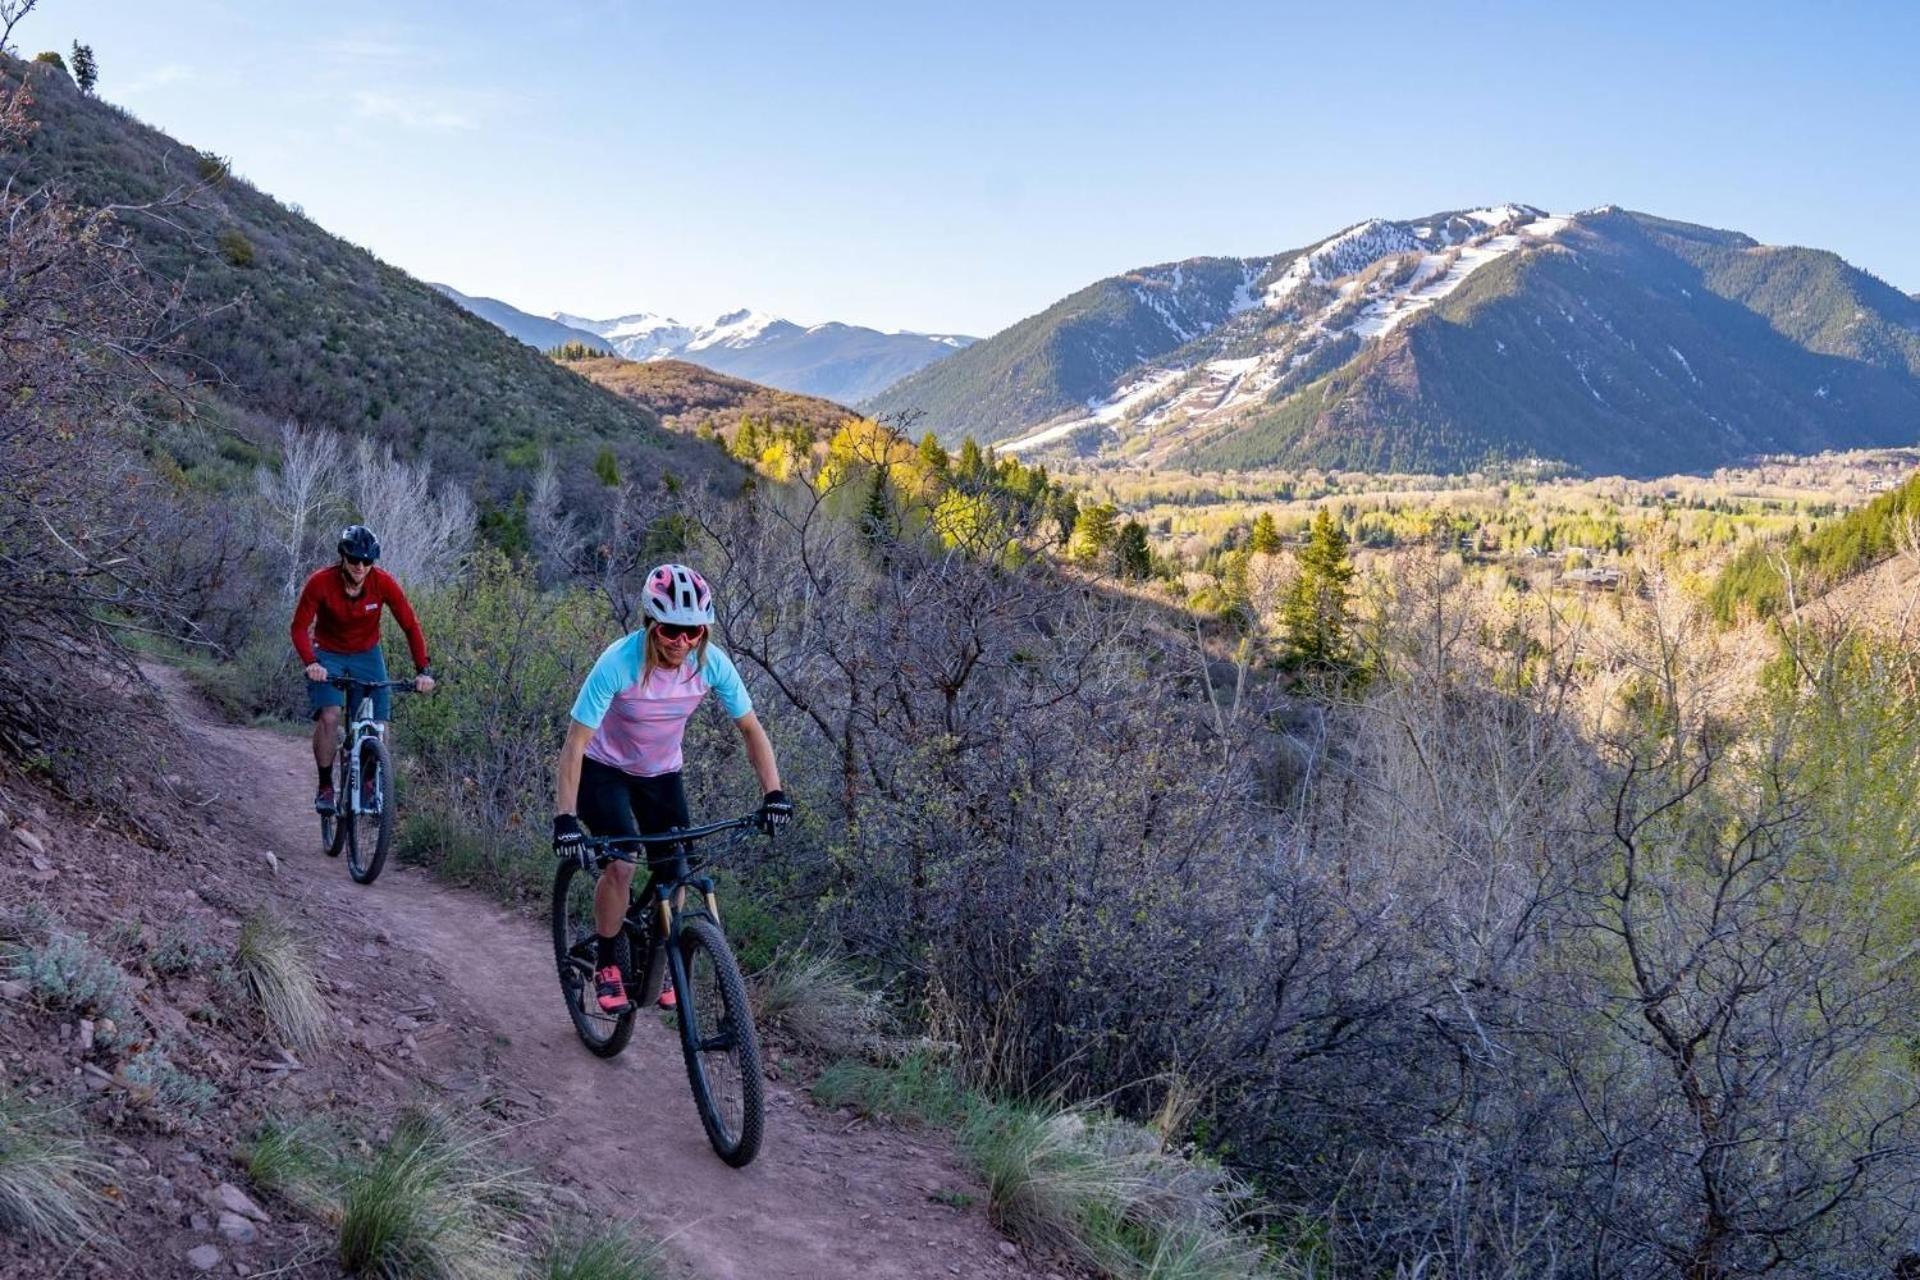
x=67, y=972
x=173, y=1091
x=236, y=248
x=600, y=1253
x=428, y=1201
x=52, y=58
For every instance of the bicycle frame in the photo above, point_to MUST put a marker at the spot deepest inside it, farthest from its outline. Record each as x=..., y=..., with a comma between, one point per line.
x=666, y=886
x=361, y=727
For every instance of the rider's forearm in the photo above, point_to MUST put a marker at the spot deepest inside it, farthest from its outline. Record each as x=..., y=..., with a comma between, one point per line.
x=566, y=772
x=760, y=754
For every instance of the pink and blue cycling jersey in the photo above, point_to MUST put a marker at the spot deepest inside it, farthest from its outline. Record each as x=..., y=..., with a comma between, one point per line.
x=638, y=729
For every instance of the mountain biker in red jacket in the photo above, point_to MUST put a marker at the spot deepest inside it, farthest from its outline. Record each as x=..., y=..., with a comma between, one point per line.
x=336, y=631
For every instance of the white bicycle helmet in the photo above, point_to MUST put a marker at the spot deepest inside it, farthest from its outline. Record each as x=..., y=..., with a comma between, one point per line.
x=675, y=593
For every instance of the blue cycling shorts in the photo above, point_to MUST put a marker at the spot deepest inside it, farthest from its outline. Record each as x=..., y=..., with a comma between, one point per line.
x=371, y=665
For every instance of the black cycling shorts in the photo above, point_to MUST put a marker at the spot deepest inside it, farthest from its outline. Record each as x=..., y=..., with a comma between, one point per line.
x=616, y=803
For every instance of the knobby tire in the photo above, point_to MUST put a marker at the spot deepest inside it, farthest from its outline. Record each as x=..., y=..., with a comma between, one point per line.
x=574, y=957
x=723, y=1066
x=374, y=764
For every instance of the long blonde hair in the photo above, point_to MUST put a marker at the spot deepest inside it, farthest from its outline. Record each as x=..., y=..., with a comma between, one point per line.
x=647, y=641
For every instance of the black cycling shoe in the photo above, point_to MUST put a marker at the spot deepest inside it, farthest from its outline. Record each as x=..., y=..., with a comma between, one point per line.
x=323, y=800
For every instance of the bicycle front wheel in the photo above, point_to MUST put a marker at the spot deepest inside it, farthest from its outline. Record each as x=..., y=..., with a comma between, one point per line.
x=370, y=825
x=718, y=1040
x=573, y=952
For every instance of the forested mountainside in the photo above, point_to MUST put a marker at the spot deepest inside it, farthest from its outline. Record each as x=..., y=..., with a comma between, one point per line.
x=310, y=327
x=1607, y=341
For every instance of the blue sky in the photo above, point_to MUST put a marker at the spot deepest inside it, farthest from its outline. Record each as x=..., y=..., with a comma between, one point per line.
x=955, y=168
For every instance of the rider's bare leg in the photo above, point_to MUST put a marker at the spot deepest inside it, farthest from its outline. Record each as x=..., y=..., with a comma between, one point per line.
x=326, y=736
x=610, y=898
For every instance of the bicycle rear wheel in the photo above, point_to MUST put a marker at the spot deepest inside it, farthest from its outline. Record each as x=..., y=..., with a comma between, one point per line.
x=370, y=826
x=718, y=1040
x=574, y=955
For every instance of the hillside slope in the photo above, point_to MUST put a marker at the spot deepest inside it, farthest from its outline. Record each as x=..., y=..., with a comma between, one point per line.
x=686, y=396
x=536, y=331
x=1605, y=341
x=325, y=333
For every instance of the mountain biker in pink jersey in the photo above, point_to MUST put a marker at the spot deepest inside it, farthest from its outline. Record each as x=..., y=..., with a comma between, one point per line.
x=336, y=631
x=620, y=767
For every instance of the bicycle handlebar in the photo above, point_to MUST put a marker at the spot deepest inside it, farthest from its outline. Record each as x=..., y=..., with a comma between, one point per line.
x=608, y=846
x=348, y=682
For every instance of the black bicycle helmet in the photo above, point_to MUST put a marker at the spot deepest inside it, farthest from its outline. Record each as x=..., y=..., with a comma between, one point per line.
x=357, y=540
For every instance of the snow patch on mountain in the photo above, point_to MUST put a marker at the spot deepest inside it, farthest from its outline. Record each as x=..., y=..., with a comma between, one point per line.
x=1381, y=274
x=1353, y=250
x=734, y=329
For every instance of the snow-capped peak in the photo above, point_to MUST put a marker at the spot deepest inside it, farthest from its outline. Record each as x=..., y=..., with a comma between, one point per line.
x=734, y=329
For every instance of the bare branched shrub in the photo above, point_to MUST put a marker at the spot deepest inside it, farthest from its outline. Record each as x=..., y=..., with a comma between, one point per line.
x=1516, y=968
x=299, y=501
x=425, y=532
x=557, y=541
x=82, y=335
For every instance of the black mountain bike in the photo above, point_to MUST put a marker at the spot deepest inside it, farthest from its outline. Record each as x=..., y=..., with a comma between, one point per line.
x=363, y=808
x=717, y=1036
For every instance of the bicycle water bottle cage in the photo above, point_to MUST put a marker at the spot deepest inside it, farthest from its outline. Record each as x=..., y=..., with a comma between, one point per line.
x=366, y=710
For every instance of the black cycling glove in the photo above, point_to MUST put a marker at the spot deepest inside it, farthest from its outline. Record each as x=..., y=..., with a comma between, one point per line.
x=566, y=832
x=775, y=811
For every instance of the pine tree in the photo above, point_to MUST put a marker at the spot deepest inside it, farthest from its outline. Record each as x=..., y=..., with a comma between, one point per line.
x=746, y=441
x=1265, y=539
x=1313, y=617
x=933, y=455
x=972, y=463
x=1093, y=533
x=1066, y=513
x=86, y=72
x=1132, y=554
x=876, y=513
x=607, y=467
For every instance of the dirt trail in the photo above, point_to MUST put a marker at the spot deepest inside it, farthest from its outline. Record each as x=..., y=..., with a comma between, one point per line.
x=827, y=1196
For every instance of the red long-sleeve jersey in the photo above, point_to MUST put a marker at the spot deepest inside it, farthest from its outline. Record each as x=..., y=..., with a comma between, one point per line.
x=340, y=623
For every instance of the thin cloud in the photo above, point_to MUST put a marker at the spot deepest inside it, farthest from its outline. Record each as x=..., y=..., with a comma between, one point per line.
x=411, y=111
x=158, y=78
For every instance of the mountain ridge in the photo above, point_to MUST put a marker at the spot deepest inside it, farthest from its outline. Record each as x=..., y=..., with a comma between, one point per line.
x=1600, y=340
x=832, y=360
x=323, y=332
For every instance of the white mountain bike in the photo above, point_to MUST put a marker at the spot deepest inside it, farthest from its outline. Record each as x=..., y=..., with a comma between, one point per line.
x=363, y=808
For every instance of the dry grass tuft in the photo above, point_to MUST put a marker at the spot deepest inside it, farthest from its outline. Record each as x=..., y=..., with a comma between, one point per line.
x=273, y=961
x=46, y=1177
x=819, y=1003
